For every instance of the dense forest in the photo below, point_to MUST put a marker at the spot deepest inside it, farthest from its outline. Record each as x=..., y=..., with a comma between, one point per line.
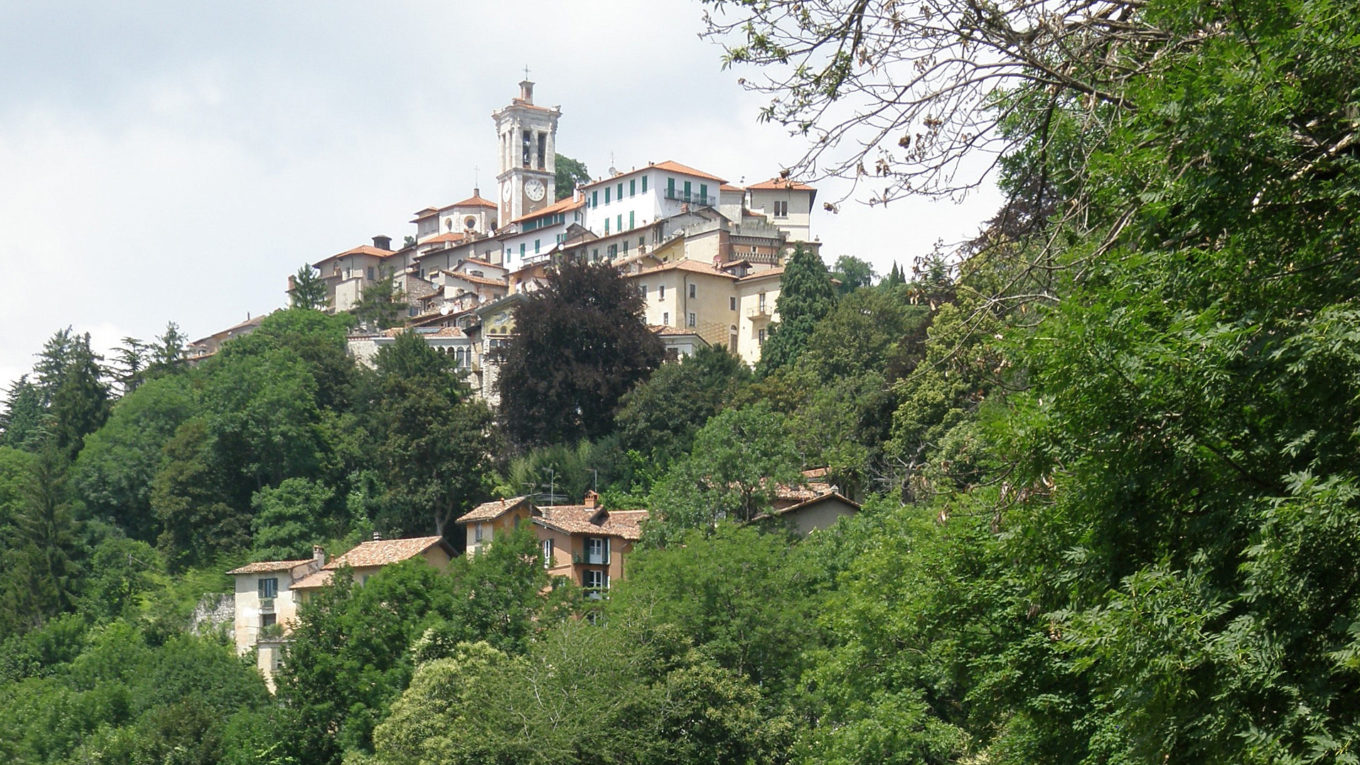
x=1107, y=451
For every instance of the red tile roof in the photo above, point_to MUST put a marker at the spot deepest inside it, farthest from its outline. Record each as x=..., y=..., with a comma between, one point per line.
x=778, y=184
x=381, y=552
x=362, y=249
x=423, y=214
x=730, y=187
x=452, y=236
x=266, y=566
x=763, y=274
x=561, y=205
x=592, y=521
x=475, y=279
x=490, y=511
x=676, y=167
x=692, y=266
x=473, y=201
x=314, y=580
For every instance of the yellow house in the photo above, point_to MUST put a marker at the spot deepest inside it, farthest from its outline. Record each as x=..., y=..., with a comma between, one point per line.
x=268, y=593
x=587, y=543
x=492, y=519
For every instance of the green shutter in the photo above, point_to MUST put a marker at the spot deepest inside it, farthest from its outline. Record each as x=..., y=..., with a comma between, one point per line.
x=606, y=195
x=595, y=198
x=632, y=187
x=687, y=191
x=620, y=189
x=703, y=192
x=620, y=221
x=644, y=184
x=630, y=219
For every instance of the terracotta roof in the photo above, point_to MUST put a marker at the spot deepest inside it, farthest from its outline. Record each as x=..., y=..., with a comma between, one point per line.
x=730, y=187
x=592, y=521
x=452, y=236
x=382, y=552
x=561, y=205
x=676, y=167
x=481, y=262
x=473, y=201
x=778, y=184
x=475, y=279
x=667, y=331
x=263, y=566
x=763, y=273
x=490, y=511
x=692, y=266
x=829, y=495
x=362, y=249
x=443, y=332
x=423, y=214
x=314, y=580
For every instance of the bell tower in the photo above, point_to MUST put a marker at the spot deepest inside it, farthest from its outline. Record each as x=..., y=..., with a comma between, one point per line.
x=526, y=137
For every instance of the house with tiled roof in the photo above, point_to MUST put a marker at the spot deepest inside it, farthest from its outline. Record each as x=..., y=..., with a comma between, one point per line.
x=367, y=558
x=587, y=543
x=785, y=203
x=347, y=273
x=489, y=520
x=266, y=603
x=809, y=507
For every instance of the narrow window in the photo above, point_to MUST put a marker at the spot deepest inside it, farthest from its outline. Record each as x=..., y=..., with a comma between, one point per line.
x=703, y=193
x=630, y=220
x=606, y=195
x=666, y=318
x=620, y=189
x=691, y=290
x=693, y=320
x=536, y=241
x=542, y=151
x=595, y=198
x=644, y=184
x=269, y=588
x=528, y=141
x=670, y=188
x=662, y=294
x=732, y=304
x=632, y=187
x=547, y=553
x=620, y=221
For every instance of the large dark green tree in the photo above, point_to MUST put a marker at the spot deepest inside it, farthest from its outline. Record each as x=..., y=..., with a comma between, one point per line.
x=433, y=438
x=579, y=345
x=307, y=290
x=570, y=174
x=806, y=294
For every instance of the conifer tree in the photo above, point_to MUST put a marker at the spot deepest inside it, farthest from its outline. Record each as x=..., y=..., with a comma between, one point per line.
x=805, y=296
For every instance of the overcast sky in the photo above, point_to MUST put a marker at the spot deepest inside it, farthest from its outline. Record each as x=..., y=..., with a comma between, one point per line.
x=175, y=161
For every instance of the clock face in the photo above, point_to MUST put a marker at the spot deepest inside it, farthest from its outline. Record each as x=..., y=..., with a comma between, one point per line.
x=534, y=188
x=505, y=192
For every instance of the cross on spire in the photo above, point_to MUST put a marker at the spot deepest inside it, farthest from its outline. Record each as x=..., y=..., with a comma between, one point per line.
x=526, y=71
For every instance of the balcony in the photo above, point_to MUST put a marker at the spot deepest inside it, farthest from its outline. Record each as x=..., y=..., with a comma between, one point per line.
x=693, y=197
x=761, y=311
x=266, y=605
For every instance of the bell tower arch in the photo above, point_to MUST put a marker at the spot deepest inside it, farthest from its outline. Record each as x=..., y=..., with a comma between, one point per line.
x=526, y=136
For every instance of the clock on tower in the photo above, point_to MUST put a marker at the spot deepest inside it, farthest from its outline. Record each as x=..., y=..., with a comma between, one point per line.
x=527, y=138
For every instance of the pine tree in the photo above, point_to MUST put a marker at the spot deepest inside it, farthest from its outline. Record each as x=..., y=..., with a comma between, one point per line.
x=805, y=296
x=308, y=290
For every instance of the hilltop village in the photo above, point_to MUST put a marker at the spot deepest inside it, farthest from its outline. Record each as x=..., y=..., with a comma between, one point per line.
x=705, y=255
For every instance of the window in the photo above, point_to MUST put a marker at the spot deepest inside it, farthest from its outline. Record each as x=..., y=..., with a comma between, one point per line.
x=547, y=553
x=687, y=191
x=620, y=189
x=692, y=319
x=613, y=251
x=542, y=151
x=269, y=588
x=595, y=582
x=691, y=290
x=620, y=221
x=595, y=254
x=732, y=304
x=606, y=226
x=370, y=273
x=630, y=219
x=597, y=551
x=536, y=241
x=642, y=290
x=479, y=531
x=528, y=141
x=703, y=193
x=760, y=338
x=268, y=620
x=606, y=195
x=670, y=188
x=625, y=247
x=781, y=209
x=644, y=184
x=665, y=318
x=595, y=198
x=632, y=187
x=521, y=249
x=661, y=292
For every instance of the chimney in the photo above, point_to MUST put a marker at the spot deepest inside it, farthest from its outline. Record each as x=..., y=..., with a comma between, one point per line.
x=526, y=92
x=318, y=555
x=377, y=537
x=382, y=242
x=591, y=498
x=476, y=192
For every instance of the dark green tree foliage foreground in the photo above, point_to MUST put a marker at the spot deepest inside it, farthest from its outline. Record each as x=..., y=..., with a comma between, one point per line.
x=581, y=344
x=1158, y=563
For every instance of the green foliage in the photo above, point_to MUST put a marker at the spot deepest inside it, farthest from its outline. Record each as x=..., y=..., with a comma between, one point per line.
x=853, y=273
x=579, y=345
x=659, y=417
x=380, y=305
x=307, y=290
x=432, y=437
x=805, y=296
x=188, y=500
x=114, y=471
x=285, y=524
x=570, y=174
x=739, y=459
x=24, y=423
